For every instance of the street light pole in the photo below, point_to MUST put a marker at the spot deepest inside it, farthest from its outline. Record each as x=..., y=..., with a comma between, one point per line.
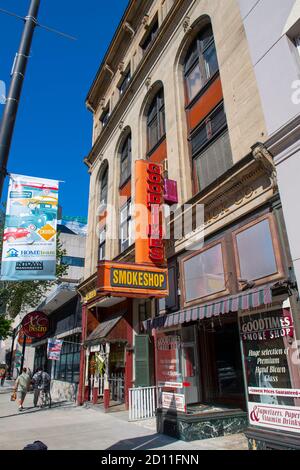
x=13, y=98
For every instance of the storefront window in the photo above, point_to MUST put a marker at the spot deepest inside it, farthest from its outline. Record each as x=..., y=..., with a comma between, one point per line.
x=272, y=371
x=256, y=252
x=204, y=274
x=67, y=368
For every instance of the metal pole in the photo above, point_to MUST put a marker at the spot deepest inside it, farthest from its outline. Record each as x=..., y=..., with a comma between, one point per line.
x=23, y=353
x=10, y=372
x=18, y=75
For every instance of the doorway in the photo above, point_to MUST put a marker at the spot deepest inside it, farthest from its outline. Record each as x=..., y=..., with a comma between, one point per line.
x=222, y=371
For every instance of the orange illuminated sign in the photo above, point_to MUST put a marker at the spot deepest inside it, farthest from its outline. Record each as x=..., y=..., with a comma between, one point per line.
x=149, y=243
x=132, y=280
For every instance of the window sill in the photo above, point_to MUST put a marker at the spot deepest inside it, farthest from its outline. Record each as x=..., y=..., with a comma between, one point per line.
x=123, y=183
x=156, y=146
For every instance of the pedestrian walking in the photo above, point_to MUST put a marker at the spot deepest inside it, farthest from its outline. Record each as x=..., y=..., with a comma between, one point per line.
x=41, y=382
x=22, y=385
x=3, y=370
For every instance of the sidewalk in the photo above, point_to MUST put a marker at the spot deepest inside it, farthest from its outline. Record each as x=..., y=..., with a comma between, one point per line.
x=69, y=427
x=8, y=386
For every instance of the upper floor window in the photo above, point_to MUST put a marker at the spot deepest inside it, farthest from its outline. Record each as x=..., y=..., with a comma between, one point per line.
x=104, y=187
x=125, y=169
x=124, y=82
x=102, y=243
x=156, y=120
x=257, y=251
x=201, y=63
x=150, y=37
x=126, y=236
x=105, y=116
x=204, y=273
x=211, y=150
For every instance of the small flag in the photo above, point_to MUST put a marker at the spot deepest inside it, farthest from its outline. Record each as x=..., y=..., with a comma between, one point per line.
x=54, y=349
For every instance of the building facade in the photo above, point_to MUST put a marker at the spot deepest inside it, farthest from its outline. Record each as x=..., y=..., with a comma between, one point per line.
x=177, y=88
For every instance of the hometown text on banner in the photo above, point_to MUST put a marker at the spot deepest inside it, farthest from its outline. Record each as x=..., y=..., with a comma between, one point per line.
x=54, y=349
x=29, y=238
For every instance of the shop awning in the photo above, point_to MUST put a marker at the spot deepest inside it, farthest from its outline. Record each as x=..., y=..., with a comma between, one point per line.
x=103, y=330
x=244, y=301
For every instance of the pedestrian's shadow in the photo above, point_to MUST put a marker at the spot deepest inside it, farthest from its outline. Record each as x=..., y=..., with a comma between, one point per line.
x=33, y=409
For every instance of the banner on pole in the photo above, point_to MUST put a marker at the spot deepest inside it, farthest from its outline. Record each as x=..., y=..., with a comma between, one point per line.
x=54, y=349
x=29, y=238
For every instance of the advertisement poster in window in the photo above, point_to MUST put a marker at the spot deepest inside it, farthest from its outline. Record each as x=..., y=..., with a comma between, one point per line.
x=168, y=360
x=272, y=370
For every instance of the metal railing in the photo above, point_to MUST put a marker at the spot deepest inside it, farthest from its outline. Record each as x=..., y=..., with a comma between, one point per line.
x=142, y=403
x=116, y=387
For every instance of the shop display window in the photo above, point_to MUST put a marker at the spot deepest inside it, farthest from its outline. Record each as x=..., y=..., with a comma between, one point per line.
x=257, y=251
x=204, y=274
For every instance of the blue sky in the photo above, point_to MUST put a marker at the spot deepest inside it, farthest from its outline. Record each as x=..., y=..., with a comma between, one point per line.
x=54, y=130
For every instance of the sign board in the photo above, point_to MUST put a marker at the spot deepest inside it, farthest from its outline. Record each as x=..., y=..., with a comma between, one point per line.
x=168, y=360
x=132, y=280
x=268, y=350
x=35, y=325
x=29, y=239
x=173, y=401
x=149, y=189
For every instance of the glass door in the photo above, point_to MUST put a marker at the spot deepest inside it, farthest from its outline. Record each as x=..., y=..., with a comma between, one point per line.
x=190, y=365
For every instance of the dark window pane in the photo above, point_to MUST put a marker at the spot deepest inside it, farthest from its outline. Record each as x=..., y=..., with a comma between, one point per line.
x=150, y=37
x=192, y=57
x=125, y=170
x=211, y=61
x=204, y=274
x=153, y=133
x=104, y=187
x=214, y=161
x=256, y=252
x=124, y=84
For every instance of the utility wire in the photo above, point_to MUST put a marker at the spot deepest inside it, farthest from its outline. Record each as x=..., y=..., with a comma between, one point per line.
x=52, y=30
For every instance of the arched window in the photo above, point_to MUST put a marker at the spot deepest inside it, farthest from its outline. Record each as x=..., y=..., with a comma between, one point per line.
x=125, y=161
x=104, y=186
x=156, y=120
x=201, y=63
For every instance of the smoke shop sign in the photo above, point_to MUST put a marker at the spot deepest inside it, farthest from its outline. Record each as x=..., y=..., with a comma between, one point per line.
x=268, y=352
x=35, y=325
x=132, y=280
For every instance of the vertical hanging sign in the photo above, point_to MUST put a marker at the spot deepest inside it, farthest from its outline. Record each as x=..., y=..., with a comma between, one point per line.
x=29, y=237
x=149, y=242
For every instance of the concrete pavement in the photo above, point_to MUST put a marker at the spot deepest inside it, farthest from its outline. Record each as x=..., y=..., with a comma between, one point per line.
x=68, y=427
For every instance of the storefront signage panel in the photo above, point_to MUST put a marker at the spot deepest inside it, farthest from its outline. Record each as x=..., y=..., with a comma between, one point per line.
x=35, y=325
x=149, y=188
x=168, y=360
x=132, y=280
x=173, y=401
x=268, y=352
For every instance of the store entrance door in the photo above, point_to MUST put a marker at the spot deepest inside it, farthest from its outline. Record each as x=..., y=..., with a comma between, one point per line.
x=222, y=376
x=190, y=365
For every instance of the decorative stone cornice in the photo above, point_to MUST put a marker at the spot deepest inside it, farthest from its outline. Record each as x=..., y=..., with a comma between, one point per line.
x=148, y=82
x=109, y=69
x=128, y=28
x=186, y=24
x=146, y=22
x=263, y=157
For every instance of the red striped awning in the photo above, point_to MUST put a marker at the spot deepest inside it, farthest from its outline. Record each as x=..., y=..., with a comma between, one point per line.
x=243, y=301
